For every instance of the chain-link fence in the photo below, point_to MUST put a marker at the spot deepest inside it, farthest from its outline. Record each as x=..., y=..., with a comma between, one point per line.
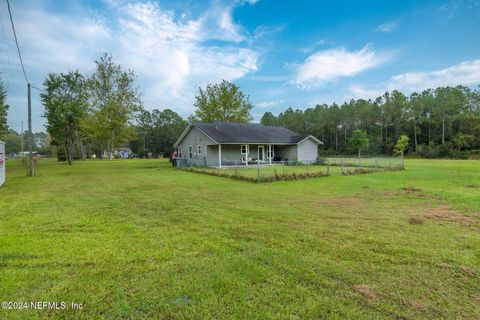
x=292, y=170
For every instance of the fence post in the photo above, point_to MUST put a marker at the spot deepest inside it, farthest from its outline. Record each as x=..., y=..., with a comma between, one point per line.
x=283, y=166
x=328, y=167
x=376, y=162
x=403, y=163
x=341, y=165
x=236, y=168
x=258, y=170
x=306, y=168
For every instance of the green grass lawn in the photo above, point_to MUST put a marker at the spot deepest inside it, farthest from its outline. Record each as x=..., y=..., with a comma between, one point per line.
x=136, y=239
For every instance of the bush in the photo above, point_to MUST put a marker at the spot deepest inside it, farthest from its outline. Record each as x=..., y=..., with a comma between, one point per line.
x=61, y=154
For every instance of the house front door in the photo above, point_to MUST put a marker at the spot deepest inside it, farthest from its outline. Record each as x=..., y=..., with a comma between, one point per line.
x=261, y=153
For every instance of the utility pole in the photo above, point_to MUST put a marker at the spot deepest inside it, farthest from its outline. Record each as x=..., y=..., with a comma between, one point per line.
x=23, y=133
x=31, y=169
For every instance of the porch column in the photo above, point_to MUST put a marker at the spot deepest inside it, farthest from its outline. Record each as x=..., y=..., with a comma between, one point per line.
x=219, y=155
x=246, y=155
x=270, y=154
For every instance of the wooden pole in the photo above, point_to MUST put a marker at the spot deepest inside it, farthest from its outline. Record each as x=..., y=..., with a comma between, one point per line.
x=31, y=168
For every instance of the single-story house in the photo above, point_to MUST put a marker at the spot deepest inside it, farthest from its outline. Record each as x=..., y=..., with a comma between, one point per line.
x=230, y=143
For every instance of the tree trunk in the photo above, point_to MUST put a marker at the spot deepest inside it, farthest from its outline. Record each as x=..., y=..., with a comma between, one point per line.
x=415, y=133
x=69, y=154
x=84, y=151
x=443, y=129
x=336, y=140
x=386, y=138
x=429, y=130
x=381, y=133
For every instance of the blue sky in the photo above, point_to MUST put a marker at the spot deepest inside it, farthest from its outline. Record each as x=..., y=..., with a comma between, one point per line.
x=281, y=53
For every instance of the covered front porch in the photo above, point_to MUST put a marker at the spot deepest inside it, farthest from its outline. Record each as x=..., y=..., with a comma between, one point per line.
x=225, y=155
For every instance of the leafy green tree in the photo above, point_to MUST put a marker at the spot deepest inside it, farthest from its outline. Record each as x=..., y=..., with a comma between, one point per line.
x=114, y=103
x=463, y=141
x=449, y=103
x=65, y=100
x=3, y=110
x=268, y=119
x=13, y=142
x=359, y=140
x=167, y=127
x=401, y=145
x=157, y=132
x=222, y=102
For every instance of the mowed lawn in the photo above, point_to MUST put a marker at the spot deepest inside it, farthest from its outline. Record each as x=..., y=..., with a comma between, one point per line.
x=136, y=239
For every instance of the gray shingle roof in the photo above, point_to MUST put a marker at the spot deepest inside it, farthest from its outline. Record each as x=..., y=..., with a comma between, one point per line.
x=232, y=132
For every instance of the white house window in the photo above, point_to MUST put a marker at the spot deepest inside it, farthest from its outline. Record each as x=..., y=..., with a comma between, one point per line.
x=179, y=152
x=270, y=152
x=244, y=149
x=190, y=152
x=199, y=150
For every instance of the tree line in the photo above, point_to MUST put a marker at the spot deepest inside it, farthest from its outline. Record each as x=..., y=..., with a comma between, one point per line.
x=441, y=122
x=87, y=114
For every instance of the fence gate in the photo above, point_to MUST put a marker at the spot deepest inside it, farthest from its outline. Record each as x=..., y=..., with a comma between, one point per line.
x=2, y=163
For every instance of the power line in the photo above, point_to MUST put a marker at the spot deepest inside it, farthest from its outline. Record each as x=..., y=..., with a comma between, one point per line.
x=16, y=41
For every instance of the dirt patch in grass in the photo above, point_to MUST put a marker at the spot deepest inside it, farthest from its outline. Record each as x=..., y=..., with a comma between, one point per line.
x=415, y=220
x=415, y=305
x=365, y=291
x=411, y=189
x=472, y=186
x=448, y=214
x=468, y=271
x=344, y=203
x=418, y=193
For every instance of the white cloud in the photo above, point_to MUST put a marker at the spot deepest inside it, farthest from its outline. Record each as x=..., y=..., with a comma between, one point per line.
x=332, y=64
x=360, y=92
x=171, y=53
x=269, y=104
x=171, y=58
x=388, y=26
x=466, y=73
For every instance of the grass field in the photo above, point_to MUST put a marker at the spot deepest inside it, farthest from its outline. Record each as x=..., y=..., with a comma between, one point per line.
x=134, y=239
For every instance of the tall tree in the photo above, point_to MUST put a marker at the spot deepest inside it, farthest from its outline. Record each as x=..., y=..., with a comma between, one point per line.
x=114, y=103
x=222, y=102
x=3, y=110
x=65, y=100
x=359, y=140
x=268, y=119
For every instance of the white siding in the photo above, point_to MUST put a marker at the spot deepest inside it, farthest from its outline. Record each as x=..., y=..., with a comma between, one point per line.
x=307, y=150
x=194, y=138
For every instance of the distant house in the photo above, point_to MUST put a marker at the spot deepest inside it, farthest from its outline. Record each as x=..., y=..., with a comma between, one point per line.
x=229, y=143
x=123, y=152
